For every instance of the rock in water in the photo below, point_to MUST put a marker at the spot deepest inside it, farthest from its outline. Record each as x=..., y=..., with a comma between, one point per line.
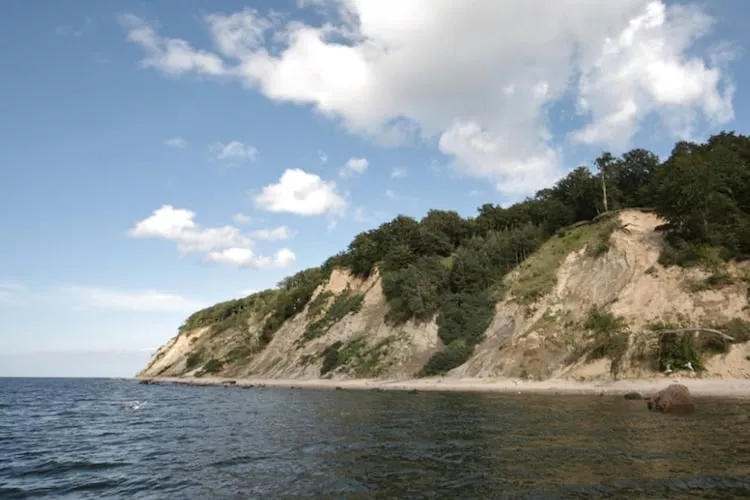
x=633, y=395
x=674, y=399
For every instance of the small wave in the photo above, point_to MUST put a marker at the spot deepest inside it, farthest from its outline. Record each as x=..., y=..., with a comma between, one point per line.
x=55, y=467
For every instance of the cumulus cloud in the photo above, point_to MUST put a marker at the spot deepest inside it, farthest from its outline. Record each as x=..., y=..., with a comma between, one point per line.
x=234, y=151
x=354, y=166
x=178, y=225
x=223, y=244
x=479, y=78
x=129, y=300
x=245, y=258
x=176, y=142
x=301, y=193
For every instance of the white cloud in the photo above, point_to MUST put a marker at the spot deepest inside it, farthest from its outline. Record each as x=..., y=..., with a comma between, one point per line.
x=302, y=193
x=130, y=300
x=234, y=151
x=170, y=55
x=354, y=166
x=322, y=157
x=480, y=77
x=277, y=233
x=223, y=245
x=178, y=225
x=390, y=194
x=245, y=258
x=241, y=218
x=176, y=142
x=248, y=291
x=398, y=172
x=644, y=69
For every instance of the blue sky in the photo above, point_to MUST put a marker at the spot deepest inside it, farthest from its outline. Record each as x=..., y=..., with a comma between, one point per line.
x=161, y=156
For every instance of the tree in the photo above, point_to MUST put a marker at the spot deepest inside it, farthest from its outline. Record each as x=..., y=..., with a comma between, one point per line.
x=606, y=163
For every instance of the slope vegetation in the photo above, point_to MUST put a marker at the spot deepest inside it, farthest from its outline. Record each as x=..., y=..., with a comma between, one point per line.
x=565, y=284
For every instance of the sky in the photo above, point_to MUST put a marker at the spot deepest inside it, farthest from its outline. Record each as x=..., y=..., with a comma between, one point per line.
x=158, y=157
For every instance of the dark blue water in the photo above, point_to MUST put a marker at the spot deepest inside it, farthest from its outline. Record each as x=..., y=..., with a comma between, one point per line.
x=82, y=439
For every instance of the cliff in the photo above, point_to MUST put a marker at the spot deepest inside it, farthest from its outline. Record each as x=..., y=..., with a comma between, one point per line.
x=592, y=302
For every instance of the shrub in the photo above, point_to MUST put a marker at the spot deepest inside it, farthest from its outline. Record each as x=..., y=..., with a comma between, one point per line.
x=611, y=337
x=452, y=356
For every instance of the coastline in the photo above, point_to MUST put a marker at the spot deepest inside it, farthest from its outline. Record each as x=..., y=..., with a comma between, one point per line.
x=699, y=387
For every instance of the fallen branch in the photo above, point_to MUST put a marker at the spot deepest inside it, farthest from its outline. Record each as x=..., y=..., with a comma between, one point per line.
x=699, y=330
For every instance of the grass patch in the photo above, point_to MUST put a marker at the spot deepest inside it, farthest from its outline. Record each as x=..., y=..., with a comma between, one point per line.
x=318, y=304
x=601, y=240
x=537, y=275
x=717, y=280
x=347, y=302
x=240, y=355
x=357, y=356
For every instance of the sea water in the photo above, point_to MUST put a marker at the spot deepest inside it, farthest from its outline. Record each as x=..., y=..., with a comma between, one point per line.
x=78, y=438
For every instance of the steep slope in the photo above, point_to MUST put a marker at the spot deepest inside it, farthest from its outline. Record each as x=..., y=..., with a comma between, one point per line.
x=584, y=305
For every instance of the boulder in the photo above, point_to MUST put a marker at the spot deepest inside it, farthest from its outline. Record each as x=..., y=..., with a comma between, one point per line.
x=675, y=398
x=634, y=395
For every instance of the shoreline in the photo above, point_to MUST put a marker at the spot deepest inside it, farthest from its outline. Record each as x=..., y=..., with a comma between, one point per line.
x=699, y=387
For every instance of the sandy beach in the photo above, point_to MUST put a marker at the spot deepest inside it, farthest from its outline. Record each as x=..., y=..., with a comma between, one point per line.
x=699, y=387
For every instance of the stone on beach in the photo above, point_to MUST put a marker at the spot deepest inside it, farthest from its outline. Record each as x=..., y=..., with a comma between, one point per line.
x=675, y=398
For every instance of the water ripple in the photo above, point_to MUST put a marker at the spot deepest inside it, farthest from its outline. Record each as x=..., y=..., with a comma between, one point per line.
x=84, y=439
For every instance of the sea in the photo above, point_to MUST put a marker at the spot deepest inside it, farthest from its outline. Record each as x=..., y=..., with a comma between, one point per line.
x=89, y=438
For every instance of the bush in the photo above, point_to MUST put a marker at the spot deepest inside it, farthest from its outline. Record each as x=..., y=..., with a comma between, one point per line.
x=452, y=356
x=611, y=337
x=678, y=349
x=194, y=359
x=330, y=358
x=465, y=317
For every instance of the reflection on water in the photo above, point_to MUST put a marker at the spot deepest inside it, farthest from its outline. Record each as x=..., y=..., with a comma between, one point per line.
x=79, y=438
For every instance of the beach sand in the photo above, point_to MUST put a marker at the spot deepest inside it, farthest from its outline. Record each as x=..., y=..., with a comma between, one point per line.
x=699, y=387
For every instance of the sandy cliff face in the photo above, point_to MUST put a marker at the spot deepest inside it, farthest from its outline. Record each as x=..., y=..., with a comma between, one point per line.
x=540, y=339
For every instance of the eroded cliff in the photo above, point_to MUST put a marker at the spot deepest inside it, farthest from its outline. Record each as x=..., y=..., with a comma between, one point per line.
x=590, y=303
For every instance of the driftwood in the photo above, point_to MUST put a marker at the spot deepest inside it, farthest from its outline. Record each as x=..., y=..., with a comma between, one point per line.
x=699, y=330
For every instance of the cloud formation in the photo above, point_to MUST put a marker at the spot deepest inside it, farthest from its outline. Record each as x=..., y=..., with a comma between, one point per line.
x=224, y=244
x=354, y=166
x=480, y=79
x=301, y=193
x=234, y=151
